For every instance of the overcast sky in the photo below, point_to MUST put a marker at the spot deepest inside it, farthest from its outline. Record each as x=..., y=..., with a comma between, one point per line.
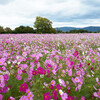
x=75, y=13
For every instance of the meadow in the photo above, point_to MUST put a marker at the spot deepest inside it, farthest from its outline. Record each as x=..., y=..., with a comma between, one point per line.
x=50, y=66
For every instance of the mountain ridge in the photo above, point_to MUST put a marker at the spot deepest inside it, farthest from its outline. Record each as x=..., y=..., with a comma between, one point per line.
x=89, y=28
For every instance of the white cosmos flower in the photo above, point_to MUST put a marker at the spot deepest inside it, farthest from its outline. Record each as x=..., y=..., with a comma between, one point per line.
x=99, y=48
x=61, y=92
x=60, y=81
x=42, y=76
x=18, y=63
x=83, y=53
x=17, y=57
x=9, y=62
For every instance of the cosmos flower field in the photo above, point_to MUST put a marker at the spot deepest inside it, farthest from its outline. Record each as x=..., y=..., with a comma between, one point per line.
x=50, y=67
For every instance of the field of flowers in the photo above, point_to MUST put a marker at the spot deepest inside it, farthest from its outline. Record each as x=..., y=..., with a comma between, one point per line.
x=50, y=67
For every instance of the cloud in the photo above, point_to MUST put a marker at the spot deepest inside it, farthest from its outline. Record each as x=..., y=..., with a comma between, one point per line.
x=62, y=12
x=3, y=2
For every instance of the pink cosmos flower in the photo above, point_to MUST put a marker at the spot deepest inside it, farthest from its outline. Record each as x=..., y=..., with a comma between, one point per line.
x=64, y=96
x=95, y=94
x=4, y=89
x=54, y=71
x=62, y=82
x=70, y=72
x=45, y=84
x=1, y=62
x=24, y=54
x=77, y=79
x=28, y=91
x=1, y=97
x=97, y=80
x=19, y=71
x=2, y=84
x=98, y=93
x=11, y=98
x=68, y=63
x=23, y=87
x=24, y=98
x=93, y=61
x=23, y=66
x=53, y=82
x=32, y=64
x=46, y=96
x=30, y=96
x=19, y=77
x=82, y=98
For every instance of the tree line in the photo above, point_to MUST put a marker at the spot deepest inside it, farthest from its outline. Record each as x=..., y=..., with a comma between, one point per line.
x=75, y=31
x=41, y=25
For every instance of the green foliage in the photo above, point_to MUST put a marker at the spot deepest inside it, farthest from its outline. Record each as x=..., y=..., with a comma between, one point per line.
x=8, y=30
x=24, y=29
x=43, y=25
x=1, y=29
x=79, y=31
x=59, y=31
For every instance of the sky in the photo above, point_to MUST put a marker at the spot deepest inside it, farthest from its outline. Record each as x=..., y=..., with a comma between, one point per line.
x=70, y=13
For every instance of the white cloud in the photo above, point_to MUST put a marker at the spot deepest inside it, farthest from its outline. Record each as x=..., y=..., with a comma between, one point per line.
x=24, y=12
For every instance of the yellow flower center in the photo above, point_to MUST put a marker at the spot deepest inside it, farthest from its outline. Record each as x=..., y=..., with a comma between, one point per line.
x=63, y=95
x=51, y=82
x=23, y=86
x=45, y=96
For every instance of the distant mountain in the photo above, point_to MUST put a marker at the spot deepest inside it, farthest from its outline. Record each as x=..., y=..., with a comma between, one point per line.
x=90, y=28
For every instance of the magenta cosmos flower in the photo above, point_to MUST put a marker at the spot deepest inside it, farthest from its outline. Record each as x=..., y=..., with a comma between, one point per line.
x=69, y=98
x=98, y=94
x=40, y=70
x=34, y=72
x=51, y=87
x=46, y=96
x=54, y=93
x=58, y=87
x=75, y=53
x=23, y=87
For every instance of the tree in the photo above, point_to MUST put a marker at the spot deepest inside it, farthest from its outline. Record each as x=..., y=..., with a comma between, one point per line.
x=59, y=31
x=1, y=29
x=28, y=29
x=24, y=29
x=42, y=25
x=7, y=30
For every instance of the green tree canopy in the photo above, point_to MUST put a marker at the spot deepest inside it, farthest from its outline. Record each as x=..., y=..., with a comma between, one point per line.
x=43, y=25
x=8, y=30
x=24, y=29
x=1, y=29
